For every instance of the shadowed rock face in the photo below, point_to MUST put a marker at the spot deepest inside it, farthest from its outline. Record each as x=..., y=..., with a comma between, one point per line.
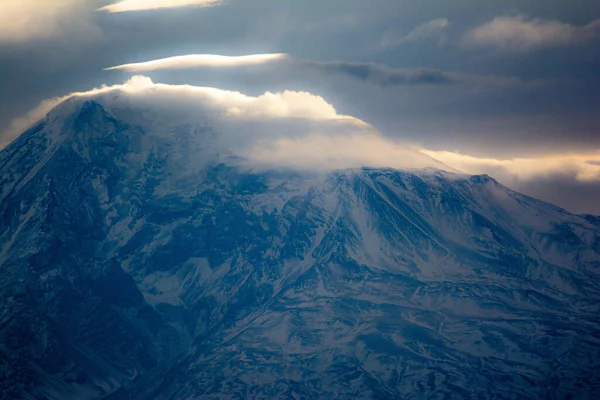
x=138, y=264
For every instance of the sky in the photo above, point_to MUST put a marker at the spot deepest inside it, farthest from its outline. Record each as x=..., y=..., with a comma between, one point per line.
x=505, y=87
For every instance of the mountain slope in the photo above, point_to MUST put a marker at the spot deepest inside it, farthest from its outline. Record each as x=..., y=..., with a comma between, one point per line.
x=141, y=260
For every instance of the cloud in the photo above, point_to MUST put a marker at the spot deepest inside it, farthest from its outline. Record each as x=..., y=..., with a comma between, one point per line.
x=381, y=75
x=200, y=60
x=571, y=181
x=287, y=104
x=377, y=74
x=290, y=128
x=332, y=150
x=385, y=76
x=582, y=167
x=428, y=30
x=25, y=20
x=20, y=124
x=231, y=104
x=303, y=131
x=139, y=5
x=516, y=33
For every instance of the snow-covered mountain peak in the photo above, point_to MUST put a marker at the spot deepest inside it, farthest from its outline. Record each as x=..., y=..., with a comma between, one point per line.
x=143, y=256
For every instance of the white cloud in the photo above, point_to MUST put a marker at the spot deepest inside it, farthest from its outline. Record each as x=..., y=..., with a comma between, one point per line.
x=334, y=150
x=428, y=30
x=294, y=129
x=520, y=34
x=139, y=5
x=583, y=167
x=287, y=104
x=200, y=60
x=299, y=130
x=20, y=124
x=23, y=20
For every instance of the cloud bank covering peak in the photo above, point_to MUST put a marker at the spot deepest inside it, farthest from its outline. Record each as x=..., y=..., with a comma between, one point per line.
x=288, y=104
x=300, y=130
x=285, y=129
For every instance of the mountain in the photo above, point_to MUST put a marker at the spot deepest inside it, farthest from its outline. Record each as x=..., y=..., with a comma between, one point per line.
x=141, y=260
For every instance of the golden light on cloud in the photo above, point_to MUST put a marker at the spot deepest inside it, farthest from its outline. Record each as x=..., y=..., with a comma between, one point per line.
x=584, y=167
x=140, y=5
x=287, y=104
x=288, y=128
x=326, y=138
x=26, y=20
x=200, y=60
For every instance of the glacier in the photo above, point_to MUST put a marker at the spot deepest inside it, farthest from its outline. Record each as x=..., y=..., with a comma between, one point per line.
x=141, y=260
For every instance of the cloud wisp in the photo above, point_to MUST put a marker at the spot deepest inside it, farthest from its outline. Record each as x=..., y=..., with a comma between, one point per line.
x=517, y=33
x=583, y=167
x=19, y=124
x=26, y=20
x=381, y=75
x=375, y=73
x=200, y=60
x=385, y=76
x=426, y=31
x=142, y=5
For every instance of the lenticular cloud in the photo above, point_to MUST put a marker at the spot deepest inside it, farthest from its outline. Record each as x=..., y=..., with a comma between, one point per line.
x=200, y=60
x=140, y=5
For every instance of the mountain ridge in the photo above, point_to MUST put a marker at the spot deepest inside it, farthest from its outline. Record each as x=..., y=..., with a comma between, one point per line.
x=136, y=264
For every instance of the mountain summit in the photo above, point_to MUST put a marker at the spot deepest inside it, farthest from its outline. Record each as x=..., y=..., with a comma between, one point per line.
x=142, y=259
